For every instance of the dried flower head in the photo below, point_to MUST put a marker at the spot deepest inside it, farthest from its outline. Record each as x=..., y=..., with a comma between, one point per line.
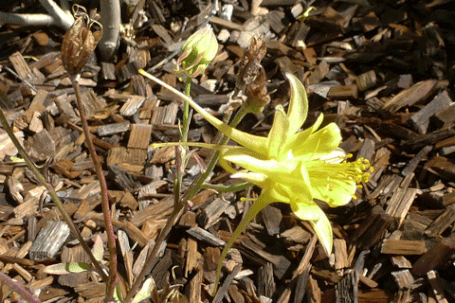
x=79, y=41
x=250, y=64
x=256, y=93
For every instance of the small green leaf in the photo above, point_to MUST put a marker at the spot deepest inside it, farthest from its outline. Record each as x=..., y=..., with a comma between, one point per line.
x=67, y=268
x=118, y=297
x=146, y=290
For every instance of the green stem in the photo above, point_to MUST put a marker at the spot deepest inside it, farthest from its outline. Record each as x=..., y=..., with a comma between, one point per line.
x=104, y=194
x=230, y=188
x=186, y=111
x=182, y=155
x=199, y=181
x=256, y=207
x=194, y=188
x=173, y=218
x=42, y=180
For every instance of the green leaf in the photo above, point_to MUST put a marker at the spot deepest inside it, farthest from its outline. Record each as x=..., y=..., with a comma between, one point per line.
x=67, y=268
x=145, y=291
x=118, y=297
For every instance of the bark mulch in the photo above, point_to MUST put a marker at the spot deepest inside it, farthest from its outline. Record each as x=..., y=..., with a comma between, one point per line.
x=382, y=70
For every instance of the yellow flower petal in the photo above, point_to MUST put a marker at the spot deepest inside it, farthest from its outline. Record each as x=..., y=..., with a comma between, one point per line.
x=319, y=143
x=258, y=179
x=315, y=216
x=323, y=229
x=278, y=134
x=298, y=104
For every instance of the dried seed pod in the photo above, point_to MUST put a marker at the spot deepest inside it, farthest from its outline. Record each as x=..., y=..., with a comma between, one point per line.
x=250, y=63
x=256, y=93
x=79, y=41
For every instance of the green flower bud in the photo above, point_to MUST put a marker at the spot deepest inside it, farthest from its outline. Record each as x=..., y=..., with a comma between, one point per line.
x=197, y=52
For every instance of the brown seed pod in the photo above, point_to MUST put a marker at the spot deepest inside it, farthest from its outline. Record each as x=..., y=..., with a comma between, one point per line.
x=256, y=93
x=250, y=64
x=79, y=41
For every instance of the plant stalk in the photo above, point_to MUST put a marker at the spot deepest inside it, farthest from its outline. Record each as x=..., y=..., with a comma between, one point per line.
x=53, y=195
x=104, y=194
x=194, y=188
x=26, y=294
x=223, y=139
x=182, y=158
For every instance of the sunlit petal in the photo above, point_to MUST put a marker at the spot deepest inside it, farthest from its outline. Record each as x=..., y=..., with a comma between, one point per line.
x=298, y=104
x=258, y=179
x=278, y=135
x=298, y=141
x=323, y=229
x=319, y=143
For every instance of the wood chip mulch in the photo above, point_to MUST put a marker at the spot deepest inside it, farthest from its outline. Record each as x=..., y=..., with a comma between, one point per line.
x=380, y=69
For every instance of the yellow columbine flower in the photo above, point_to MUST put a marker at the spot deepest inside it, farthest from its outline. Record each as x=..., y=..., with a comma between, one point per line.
x=291, y=166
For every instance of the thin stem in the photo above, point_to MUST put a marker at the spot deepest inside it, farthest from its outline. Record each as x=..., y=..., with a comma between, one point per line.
x=179, y=207
x=199, y=181
x=104, y=194
x=53, y=195
x=186, y=111
x=256, y=207
x=176, y=213
x=230, y=188
x=182, y=158
x=19, y=288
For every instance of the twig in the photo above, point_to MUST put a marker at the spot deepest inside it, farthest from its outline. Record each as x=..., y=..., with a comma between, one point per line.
x=104, y=193
x=57, y=17
x=19, y=288
x=52, y=193
x=61, y=18
x=64, y=4
x=23, y=80
x=27, y=19
x=110, y=19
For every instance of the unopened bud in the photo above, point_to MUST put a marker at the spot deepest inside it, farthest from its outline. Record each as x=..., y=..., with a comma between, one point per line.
x=79, y=42
x=198, y=51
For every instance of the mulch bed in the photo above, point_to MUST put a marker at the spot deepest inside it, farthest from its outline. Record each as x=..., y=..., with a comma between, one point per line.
x=380, y=69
